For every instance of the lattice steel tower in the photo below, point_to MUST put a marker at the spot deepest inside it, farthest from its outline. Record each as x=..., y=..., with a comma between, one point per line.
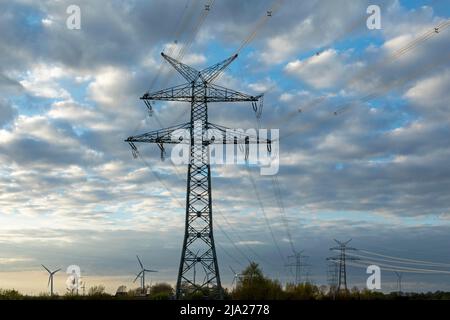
x=298, y=263
x=341, y=259
x=198, y=244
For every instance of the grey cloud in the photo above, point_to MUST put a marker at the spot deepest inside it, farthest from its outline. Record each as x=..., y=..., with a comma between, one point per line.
x=332, y=163
x=7, y=112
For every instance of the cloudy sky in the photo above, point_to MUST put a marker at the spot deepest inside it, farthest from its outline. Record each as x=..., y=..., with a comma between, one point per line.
x=375, y=171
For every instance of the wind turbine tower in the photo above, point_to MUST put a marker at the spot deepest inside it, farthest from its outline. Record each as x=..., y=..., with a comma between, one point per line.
x=142, y=275
x=50, y=278
x=236, y=277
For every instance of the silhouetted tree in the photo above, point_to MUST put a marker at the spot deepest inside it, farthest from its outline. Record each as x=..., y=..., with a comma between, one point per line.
x=302, y=291
x=97, y=291
x=161, y=291
x=253, y=285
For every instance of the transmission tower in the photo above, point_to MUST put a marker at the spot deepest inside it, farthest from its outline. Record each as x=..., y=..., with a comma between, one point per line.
x=199, y=90
x=341, y=259
x=332, y=276
x=297, y=261
x=399, y=281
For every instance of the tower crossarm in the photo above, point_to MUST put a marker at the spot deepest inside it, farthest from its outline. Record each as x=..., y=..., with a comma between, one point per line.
x=338, y=259
x=177, y=93
x=189, y=73
x=216, y=93
x=170, y=135
x=211, y=73
x=343, y=247
x=220, y=134
x=207, y=75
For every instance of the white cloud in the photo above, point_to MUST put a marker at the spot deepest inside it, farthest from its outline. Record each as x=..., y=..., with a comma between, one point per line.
x=263, y=86
x=430, y=95
x=326, y=70
x=281, y=46
x=47, y=21
x=42, y=81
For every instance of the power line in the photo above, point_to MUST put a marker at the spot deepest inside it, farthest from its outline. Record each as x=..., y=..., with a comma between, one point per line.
x=418, y=271
x=261, y=22
x=399, y=261
x=266, y=219
x=182, y=206
x=177, y=33
x=347, y=106
x=256, y=254
x=274, y=7
x=382, y=89
x=279, y=199
x=404, y=268
x=232, y=257
x=407, y=260
x=402, y=51
x=185, y=48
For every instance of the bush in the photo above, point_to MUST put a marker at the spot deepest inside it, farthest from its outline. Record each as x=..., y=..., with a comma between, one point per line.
x=13, y=294
x=97, y=292
x=253, y=285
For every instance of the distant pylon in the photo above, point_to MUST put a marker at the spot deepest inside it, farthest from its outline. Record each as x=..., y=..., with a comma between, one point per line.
x=341, y=260
x=298, y=264
x=332, y=275
x=399, y=281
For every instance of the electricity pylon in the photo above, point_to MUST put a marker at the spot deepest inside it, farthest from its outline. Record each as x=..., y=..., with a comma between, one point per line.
x=332, y=275
x=341, y=259
x=199, y=90
x=399, y=281
x=298, y=263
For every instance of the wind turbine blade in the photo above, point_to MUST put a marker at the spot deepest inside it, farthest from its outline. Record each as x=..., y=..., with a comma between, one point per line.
x=56, y=271
x=234, y=280
x=49, y=278
x=138, y=275
x=147, y=270
x=140, y=263
x=45, y=268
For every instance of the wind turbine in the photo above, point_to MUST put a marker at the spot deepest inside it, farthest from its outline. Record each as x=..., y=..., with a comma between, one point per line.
x=50, y=278
x=235, y=277
x=142, y=275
